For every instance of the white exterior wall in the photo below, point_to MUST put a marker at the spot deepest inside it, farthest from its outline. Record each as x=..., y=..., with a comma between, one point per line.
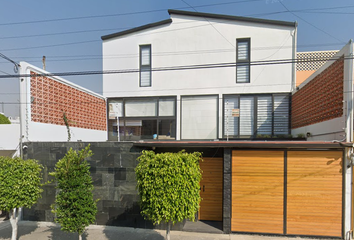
x=195, y=41
x=10, y=136
x=34, y=131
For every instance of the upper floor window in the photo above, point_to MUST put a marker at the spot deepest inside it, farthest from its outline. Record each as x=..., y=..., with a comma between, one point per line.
x=243, y=60
x=145, y=66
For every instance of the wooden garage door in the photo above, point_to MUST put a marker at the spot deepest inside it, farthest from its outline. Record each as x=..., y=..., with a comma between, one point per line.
x=314, y=189
x=257, y=191
x=211, y=189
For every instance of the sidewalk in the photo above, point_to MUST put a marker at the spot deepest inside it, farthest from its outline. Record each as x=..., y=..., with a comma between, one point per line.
x=50, y=231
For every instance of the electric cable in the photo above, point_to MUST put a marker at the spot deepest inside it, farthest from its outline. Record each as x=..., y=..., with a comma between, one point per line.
x=175, y=68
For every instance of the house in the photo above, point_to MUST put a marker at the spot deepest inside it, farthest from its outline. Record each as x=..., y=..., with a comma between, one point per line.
x=223, y=85
x=181, y=83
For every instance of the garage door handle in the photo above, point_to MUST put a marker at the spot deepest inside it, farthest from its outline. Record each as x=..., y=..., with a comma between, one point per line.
x=203, y=188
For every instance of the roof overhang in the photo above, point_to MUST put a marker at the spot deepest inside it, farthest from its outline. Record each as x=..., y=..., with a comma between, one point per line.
x=234, y=18
x=137, y=29
x=246, y=144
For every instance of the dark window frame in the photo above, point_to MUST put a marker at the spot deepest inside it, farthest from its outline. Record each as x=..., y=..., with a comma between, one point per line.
x=142, y=67
x=244, y=62
x=157, y=117
x=255, y=99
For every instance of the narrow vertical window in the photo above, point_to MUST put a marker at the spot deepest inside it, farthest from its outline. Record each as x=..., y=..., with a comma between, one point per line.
x=145, y=66
x=243, y=60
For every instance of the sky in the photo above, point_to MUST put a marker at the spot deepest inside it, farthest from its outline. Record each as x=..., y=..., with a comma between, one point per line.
x=68, y=32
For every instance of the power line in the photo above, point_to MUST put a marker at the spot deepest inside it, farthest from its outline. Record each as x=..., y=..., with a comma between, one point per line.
x=210, y=24
x=310, y=23
x=120, y=14
x=157, y=54
x=175, y=68
x=311, y=10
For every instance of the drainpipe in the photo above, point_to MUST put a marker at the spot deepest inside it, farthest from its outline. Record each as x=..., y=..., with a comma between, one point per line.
x=293, y=82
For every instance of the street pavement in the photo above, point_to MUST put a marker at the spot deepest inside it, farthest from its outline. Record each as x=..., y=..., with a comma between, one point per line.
x=29, y=230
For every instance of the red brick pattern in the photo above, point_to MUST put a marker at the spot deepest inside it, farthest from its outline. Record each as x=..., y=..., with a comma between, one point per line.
x=52, y=98
x=321, y=99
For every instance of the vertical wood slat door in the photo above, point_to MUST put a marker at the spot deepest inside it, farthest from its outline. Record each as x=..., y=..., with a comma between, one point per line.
x=257, y=191
x=314, y=189
x=211, y=189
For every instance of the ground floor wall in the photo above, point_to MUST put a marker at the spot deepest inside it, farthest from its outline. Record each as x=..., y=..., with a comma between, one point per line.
x=113, y=174
x=295, y=192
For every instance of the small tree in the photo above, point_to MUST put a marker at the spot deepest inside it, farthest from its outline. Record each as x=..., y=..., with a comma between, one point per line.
x=74, y=206
x=20, y=186
x=168, y=185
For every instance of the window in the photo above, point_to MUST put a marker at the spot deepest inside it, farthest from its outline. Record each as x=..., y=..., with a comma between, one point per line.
x=199, y=117
x=142, y=118
x=249, y=116
x=243, y=60
x=145, y=66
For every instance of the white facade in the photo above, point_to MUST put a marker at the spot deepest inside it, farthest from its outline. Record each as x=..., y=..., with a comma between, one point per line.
x=203, y=44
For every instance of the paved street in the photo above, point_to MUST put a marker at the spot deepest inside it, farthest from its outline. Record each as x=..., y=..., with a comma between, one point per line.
x=50, y=231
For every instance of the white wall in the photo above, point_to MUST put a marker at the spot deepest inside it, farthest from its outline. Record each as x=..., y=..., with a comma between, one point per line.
x=194, y=41
x=34, y=131
x=49, y=132
x=9, y=136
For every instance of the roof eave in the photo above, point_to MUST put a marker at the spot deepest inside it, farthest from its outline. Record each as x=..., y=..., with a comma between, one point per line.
x=137, y=29
x=234, y=18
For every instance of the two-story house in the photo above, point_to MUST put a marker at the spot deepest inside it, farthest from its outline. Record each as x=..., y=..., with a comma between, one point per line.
x=179, y=80
x=222, y=85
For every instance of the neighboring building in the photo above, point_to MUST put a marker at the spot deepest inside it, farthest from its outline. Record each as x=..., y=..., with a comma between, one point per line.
x=310, y=62
x=180, y=81
x=54, y=109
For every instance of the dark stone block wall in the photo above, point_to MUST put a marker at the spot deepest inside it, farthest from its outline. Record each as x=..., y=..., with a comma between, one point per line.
x=113, y=175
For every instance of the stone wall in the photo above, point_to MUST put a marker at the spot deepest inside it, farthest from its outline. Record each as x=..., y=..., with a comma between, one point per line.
x=112, y=171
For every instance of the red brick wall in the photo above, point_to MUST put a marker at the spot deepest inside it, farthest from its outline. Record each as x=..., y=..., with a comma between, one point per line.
x=53, y=98
x=321, y=99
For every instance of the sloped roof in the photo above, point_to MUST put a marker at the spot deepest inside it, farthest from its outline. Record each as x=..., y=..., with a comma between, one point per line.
x=199, y=14
x=235, y=18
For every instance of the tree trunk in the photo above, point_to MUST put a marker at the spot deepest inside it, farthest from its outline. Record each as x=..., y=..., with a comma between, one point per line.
x=80, y=236
x=14, y=220
x=168, y=230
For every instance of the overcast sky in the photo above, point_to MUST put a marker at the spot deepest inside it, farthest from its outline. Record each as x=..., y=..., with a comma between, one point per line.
x=68, y=32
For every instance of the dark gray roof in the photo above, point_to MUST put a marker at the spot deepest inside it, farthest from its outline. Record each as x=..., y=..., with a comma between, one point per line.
x=199, y=14
x=229, y=17
x=137, y=29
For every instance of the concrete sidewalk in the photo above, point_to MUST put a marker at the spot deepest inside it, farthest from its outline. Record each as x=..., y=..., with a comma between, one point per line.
x=49, y=231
